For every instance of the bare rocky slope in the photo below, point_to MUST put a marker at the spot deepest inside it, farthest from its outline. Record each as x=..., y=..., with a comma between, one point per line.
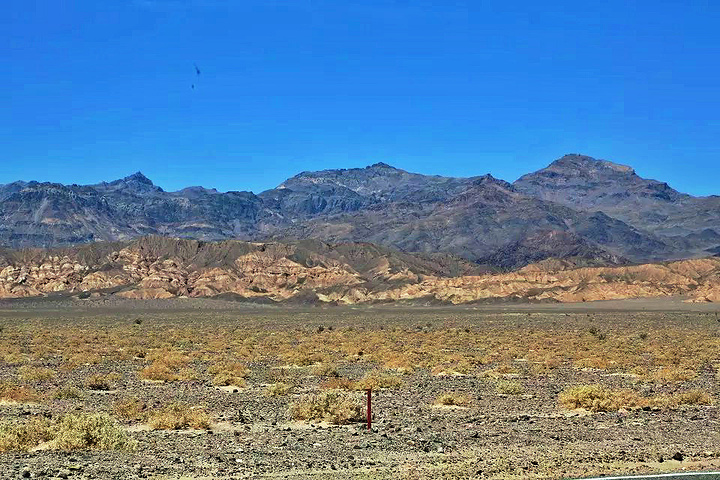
x=583, y=183
x=315, y=272
x=577, y=208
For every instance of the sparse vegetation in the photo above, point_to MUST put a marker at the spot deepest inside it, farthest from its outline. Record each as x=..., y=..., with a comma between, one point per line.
x=100, y=381
x=179, y=417
x=509, y=387
x=67, y=392
x=168, y=366
x=411, y=363
x=277, y=389
x=378, y=379
x=35, y=374
x=23, y=436
x=12, y=392
x=597, y=398
x=131, y=408
x=331, y=406
x=227, y=373
x=325, y=370
x=452, y=399
x=692, y=397
x=338, y=383
x=96, y=431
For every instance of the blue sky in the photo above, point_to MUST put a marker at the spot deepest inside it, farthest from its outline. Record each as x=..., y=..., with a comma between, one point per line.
x=96, y=90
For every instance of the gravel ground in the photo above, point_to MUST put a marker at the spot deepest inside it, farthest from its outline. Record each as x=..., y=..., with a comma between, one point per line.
x=527, y=435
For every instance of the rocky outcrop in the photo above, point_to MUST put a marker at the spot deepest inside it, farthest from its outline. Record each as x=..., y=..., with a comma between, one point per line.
x=155, y=267
x=580, y=182
x=589, y=211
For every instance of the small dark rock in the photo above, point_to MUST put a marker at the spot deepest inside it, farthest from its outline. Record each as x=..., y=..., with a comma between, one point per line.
x=678, y=456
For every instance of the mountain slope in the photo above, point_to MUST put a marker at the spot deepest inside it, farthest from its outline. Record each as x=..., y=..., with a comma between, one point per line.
x=472, y=218
x=47, y=214
x=589, y=211
x=585, y=183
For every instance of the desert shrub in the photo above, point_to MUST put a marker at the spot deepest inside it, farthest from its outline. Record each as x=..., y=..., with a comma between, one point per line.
x=458, y=367
x=21, y=437
x=546, y=366
x=131, y=408
x=277, y=389
x=499, y=371
x=452, y=399
x=229, y=374
x=290, y=376
x=74, y=360
x=673, y=374
x=506, y=369
x=35, y=374
x=400, y=363
x=302, y=356
x=508, y=387
x=377, y=380
x=325, y=370
x=178, y=417
x=67, y=392
x=331, y=406
x=597, y=398
x=168, y=366
x=95, y=431
x=692, y=397
x=160, y=372
x=101, y=381
x=12, y=392
x=338, y=383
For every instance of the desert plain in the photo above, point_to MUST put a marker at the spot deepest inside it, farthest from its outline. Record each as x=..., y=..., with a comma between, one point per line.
x=201, y=389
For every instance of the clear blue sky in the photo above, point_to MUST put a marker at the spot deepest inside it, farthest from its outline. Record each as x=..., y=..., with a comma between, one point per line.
x=96, y=90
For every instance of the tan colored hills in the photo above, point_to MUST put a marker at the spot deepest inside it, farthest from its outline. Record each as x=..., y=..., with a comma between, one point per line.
x=155, y=267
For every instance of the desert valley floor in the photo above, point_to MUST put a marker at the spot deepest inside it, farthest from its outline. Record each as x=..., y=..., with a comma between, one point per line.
x=194, y=388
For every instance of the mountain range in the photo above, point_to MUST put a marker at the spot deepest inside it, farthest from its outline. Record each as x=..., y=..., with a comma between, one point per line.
x=588, y=212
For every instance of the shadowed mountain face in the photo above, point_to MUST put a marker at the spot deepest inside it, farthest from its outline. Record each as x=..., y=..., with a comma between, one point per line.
x=589, y=211
x=47, y=214
x=587, y=184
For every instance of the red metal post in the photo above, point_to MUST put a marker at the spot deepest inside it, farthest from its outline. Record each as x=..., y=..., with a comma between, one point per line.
x=369, y=409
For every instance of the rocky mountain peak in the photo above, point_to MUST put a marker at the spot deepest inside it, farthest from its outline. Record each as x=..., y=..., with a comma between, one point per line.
x=380, y=166
x=488, y=179
x=139, y=178
x=135, y=183
x=577, y=164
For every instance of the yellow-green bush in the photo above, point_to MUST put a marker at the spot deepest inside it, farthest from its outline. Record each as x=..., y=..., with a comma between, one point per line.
x=377, y=380
x=508, y=387
x=452, y=399
x=331, y=406
x=95, y=431
x=597, y=398
x=35, y=374
x=277, y=389
x=178, y=417
x=85, y=431
x=12, y=392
